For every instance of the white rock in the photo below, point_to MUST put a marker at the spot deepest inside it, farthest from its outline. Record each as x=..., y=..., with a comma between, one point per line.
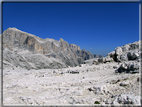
x=118, y=51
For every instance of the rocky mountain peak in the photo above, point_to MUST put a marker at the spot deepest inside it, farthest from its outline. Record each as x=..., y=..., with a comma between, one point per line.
x=13, y=28
x=61, y=39
x=70, y=54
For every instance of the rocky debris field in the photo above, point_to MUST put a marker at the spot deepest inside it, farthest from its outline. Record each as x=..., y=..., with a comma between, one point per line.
x=87, y=85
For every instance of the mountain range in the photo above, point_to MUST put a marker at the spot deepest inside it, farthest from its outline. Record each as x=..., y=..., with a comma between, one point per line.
x=35, y=52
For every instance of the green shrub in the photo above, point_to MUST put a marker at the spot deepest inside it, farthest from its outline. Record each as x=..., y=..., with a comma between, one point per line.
x=97, y=102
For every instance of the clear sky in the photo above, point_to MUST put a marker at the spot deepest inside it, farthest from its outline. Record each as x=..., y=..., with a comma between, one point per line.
x=96, y=27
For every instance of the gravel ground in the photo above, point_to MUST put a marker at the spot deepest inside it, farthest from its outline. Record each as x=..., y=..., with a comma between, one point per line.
x=87, y=85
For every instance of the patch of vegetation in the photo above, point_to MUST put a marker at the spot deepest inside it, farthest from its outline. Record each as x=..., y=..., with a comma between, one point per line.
x=97, y=102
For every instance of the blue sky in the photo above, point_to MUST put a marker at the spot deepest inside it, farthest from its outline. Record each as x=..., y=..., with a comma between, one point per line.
x=96, y=27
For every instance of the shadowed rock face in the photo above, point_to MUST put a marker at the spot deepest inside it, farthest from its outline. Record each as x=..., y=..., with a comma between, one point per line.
x=71, y=54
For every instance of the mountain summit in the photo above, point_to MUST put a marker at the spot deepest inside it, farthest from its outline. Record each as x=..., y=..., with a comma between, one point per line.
x=19, y=41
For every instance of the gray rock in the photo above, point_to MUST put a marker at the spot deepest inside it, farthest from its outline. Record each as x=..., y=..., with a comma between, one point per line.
x=125, y=48
x=126, y=100
x=74, y=72
x=111, y=54
x=124, y=83
x=118, y=51
x=96, y=61
x=15, y=59
x=105, y=59
x=96, y=56
x=134, y=46
x=123, y=57
x=115, y=67
x=129, y=67
x=127, y=56
x=71, y=55
x=101, y=60
x=30, y=61
x=97, y=90
x=133, y=55
x=126, y=52
x=108, y=59
x=91, y=61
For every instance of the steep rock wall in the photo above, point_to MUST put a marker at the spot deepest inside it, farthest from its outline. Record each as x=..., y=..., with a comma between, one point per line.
x=71, y=54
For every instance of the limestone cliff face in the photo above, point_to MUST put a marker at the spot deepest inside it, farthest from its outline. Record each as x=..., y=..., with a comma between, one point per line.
x=71, y=54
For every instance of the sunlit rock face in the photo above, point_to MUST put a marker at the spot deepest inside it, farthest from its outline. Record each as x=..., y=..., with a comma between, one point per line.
x=70, y=54
x=126, y=52
x=128, y=55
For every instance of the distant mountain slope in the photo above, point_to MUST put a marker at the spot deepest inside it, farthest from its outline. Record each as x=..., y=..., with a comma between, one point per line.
x=19, y=42
x=29, y=61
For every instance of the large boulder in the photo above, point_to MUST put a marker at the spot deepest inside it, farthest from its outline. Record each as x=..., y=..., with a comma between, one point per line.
x=134, y=46
x=101, y=60
x=111, y=54
x=108, y=59
x=105, y=59
x=129, y=67
x=133, y=55
x=123, y=57
x=118, y=51
x=126, y=100
x=127, y=56
x=126, y=52
x=91, y=61
x=125, y=48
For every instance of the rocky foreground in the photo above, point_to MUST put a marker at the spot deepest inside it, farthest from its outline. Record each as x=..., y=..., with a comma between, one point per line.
x=89, y=85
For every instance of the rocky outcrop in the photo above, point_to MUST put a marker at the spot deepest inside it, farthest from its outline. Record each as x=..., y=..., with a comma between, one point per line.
x=128, y=55
x=129, y=67
x=124, y=100
x=126, y=52
x=105, y=59
x=97, y=56
x=71, y=54
x=99, y=60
